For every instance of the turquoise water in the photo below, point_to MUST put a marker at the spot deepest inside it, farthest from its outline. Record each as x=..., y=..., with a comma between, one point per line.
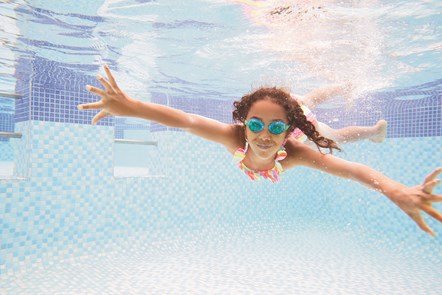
x=191, y=223
x=213, y=231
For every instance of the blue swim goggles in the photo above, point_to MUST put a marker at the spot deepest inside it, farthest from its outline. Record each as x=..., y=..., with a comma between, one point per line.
x=257, y=125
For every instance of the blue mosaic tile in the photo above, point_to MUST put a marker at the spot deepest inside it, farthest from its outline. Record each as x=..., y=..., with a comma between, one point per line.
x=56, y=92
x=406, y=118
x=72, y=206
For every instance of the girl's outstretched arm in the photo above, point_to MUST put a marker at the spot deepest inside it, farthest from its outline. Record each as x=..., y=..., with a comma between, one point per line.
x=411, y=200
x=115, y=102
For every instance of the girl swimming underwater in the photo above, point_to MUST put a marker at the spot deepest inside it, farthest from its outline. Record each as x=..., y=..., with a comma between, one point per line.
x=262, y=143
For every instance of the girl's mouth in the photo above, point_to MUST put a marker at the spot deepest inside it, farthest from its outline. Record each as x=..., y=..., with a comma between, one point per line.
x=264, y=146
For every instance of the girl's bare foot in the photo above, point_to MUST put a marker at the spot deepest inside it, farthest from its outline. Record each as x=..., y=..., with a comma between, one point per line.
x=381, y=131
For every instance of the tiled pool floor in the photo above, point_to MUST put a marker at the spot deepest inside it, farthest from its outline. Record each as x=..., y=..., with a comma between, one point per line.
x=289, y=262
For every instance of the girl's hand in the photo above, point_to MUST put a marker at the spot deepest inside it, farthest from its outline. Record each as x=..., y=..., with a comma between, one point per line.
x=113, y=100
x=414, y=199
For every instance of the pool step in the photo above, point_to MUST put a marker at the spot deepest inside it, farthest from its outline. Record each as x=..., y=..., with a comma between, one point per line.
x=10, y=135
x=132, y=141
x=10, y=95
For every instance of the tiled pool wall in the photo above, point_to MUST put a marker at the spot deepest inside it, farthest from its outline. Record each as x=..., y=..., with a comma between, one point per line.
x=71, y=205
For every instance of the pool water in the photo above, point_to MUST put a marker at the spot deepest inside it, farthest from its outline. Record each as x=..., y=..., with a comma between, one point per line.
x=132, y=207
x=291, y=259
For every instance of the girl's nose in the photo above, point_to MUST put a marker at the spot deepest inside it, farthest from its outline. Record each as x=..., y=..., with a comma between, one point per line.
x=265, y=134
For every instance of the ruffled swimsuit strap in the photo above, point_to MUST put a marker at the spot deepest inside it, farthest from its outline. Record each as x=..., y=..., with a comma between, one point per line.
x=272, y=174
x=240, y=154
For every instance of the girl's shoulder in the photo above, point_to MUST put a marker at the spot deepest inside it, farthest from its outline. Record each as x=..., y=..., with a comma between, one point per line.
x=297, y=152
x=237, y=139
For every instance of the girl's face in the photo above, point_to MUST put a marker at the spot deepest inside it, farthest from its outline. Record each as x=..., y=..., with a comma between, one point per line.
x=265, y=144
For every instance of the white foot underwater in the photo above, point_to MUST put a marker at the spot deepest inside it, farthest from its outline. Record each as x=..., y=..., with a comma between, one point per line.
x=381, y=131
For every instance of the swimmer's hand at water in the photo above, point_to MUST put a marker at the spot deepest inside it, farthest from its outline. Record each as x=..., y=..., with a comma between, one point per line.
x=413, y=200
x=113, y=102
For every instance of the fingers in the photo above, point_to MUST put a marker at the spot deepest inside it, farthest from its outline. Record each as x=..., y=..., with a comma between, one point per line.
x=109, y=86
x=417, y=217
x=432, y=212
x=432, y=175
x=94, y=106
x=436, y=198
x=95, y=90
x=102, y=114
x=433, y=198
x=110, y=76
x=429, y=186
x=91, y=106
x=104, y=82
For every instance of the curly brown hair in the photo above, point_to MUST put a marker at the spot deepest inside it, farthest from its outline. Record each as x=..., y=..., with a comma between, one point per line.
x=295, y=115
